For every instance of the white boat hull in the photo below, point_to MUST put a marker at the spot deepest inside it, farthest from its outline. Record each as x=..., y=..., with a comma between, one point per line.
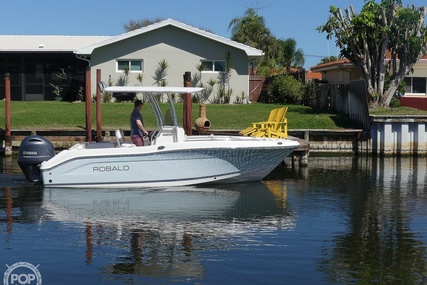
x=197, y=160
x=171, y=159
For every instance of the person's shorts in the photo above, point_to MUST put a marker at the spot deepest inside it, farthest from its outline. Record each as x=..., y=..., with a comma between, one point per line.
x=137, y=140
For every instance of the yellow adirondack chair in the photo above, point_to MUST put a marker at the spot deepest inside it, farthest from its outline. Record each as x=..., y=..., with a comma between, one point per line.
x=277, y=128
x=259, y=125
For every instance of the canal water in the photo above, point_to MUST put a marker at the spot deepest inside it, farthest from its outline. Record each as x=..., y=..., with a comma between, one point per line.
x=341, y=220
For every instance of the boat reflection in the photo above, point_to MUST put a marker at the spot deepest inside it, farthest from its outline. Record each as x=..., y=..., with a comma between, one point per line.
x=162, y=230
x=134, y=206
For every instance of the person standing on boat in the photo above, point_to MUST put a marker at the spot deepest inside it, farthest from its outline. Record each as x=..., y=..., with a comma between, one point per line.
x=137, y=129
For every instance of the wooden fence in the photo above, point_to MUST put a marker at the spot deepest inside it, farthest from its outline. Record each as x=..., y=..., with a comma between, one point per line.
x=256, y=84
x=349, y=99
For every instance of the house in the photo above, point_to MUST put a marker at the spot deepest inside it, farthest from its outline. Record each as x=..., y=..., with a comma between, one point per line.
x=343, y=71
x=36, y=62
x=182, y=47
x=337, y=72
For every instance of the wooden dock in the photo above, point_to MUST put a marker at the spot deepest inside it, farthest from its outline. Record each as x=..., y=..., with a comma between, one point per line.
x=301, y=153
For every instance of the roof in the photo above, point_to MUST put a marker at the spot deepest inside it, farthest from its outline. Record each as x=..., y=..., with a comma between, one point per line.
x=313, y=75
x=250, y=51
x=345, y=63
x=46, y=43
x=340, y=63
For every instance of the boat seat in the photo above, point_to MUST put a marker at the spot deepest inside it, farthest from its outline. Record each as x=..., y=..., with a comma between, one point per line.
x=119, y=139
x=102, y=85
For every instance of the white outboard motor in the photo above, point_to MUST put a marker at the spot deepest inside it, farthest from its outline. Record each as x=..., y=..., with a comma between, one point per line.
x=34, y=150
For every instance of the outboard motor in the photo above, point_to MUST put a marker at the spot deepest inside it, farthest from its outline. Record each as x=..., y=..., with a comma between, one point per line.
x=33, y=151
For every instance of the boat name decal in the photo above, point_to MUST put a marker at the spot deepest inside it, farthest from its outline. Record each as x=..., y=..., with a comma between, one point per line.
x=110, y=168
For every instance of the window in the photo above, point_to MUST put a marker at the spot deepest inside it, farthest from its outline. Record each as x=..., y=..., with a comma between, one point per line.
x=134, y=65
x=416, y=85
x=213, y=65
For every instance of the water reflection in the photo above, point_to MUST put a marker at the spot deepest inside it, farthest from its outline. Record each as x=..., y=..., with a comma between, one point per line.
x=159, y=232
x=167, y=227
x=384, y=238
x=360, y=220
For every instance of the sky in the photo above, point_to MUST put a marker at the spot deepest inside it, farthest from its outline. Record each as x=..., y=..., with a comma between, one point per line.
x=297, y=19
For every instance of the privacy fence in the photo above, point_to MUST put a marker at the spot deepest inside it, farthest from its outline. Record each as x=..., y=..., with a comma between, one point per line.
x=349, y=99
x=387, y=134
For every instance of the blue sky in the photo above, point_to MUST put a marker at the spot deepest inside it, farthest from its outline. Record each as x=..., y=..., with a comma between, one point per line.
x=296, y=19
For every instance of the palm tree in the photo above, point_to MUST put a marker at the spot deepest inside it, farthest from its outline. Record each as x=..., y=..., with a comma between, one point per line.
x=279, y=54
x=282, y=56
x=250, y=30
x=288, y=55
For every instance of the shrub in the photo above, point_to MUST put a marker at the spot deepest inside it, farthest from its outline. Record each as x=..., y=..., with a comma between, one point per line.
x=311, y=91
x=395, y=102
x=107, y=97
x=284, y=90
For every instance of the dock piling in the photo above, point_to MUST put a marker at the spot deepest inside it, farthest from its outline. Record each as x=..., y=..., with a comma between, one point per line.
x=8, y=136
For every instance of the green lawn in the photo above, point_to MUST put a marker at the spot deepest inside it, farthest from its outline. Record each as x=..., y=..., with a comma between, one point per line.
x=63, y=115
x=398, y=111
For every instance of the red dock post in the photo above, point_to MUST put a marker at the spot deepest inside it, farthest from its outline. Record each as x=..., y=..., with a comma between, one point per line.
x=88, y=107
x=187, y=107
x=8, y=138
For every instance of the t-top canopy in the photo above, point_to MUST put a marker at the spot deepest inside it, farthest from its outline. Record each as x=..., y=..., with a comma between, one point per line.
x=150, y=89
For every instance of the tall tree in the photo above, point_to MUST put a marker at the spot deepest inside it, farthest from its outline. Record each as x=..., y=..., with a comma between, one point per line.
x=380, y=29
x=282, y=55
x=289, y=54
x=250, y=30
x=279, y=54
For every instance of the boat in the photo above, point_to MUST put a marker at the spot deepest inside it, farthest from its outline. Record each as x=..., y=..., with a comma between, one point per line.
x=171, y=157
